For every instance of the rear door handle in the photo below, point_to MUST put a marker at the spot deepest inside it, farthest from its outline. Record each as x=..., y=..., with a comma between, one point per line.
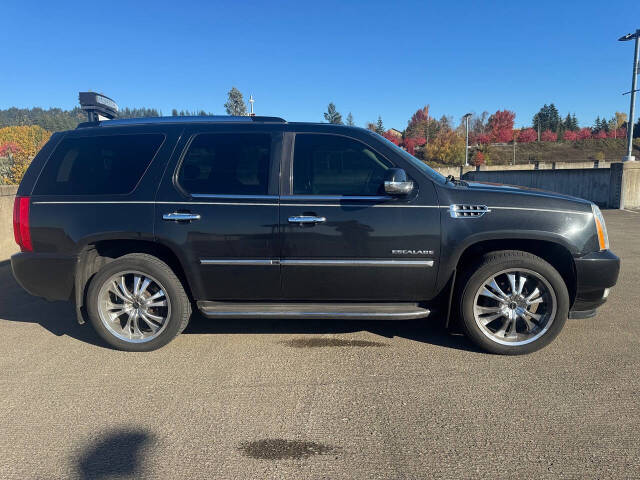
x=307, y=219
x=180, y=217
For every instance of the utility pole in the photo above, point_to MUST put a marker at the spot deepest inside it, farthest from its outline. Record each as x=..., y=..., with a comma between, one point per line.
x=634, y=82
x=251, y=102
x=466, y=143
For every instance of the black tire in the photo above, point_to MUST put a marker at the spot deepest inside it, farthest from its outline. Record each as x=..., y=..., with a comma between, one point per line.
x=492, y=263
x=149, y=265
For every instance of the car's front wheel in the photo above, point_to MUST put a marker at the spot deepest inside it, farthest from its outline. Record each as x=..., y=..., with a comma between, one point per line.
x=136, y=303
x=513, y=302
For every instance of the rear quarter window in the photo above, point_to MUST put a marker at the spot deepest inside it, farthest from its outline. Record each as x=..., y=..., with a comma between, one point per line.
x=99, y=165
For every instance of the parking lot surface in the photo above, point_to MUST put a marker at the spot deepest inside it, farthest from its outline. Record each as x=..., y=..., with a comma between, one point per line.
x=321, y=399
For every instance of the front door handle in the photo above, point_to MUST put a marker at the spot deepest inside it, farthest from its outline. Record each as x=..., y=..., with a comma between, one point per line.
x=180, y=217
x=307, y=219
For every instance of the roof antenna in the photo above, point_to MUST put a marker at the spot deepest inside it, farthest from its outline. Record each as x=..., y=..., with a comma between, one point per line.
x=251, y=101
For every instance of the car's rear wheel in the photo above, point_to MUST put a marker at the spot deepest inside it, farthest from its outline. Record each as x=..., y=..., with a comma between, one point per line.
x=513, y=302
x=136, y=303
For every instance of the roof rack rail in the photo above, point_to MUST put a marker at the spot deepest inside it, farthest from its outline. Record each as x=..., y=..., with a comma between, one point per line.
x=182, y=119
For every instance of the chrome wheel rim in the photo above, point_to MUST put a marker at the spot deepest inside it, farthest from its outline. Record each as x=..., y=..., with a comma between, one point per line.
x=134, y=306
x=515, y=306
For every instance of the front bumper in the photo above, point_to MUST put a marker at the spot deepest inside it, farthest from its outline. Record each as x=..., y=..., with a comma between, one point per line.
x=44, y=274
x=595, y=274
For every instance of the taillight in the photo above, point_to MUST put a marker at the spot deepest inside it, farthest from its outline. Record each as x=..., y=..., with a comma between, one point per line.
x=21, y=223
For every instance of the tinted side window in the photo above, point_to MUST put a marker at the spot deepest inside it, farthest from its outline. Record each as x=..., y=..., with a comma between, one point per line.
x=335, y=165
x=227, y=164
x=98, y=165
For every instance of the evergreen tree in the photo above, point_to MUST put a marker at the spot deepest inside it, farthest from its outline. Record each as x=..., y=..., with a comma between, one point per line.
x=379, y=126
x=235, y=103
x=596, y=125
x=350, y=121
x=554, y=118
x=332, y=115
x=574, y=123
x=174, y=113
x=571, y=122
x=547, y=118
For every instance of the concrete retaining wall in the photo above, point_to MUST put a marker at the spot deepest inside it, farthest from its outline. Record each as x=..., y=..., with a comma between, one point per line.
x=460, y=171
x=611, y=185
x=600, y=185
x=7, y=244
x=631, y=185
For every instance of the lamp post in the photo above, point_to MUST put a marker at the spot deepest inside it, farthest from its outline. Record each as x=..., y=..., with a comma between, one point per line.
x=634, y=82
x=466, y=143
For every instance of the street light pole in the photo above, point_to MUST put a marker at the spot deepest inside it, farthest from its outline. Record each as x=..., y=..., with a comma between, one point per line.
x=634, y=83
x=466, y=143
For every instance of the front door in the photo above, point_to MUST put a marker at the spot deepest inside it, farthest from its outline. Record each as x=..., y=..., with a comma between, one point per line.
x=343, y=238
x=217, y=209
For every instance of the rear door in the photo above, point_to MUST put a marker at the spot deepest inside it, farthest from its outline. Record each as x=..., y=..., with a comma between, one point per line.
x=217, y=209
x=343, y=238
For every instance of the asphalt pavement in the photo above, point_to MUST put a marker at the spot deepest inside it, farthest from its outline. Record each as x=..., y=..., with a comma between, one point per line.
x=321, y=399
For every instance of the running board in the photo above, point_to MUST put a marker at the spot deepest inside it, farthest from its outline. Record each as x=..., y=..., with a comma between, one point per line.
x=346, y=311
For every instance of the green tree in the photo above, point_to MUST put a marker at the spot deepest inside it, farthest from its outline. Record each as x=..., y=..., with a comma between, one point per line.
x=350, y=121
x=570, y=122
x=332, y=115
x=379, y=126
x=547, y=118
x=235, y=103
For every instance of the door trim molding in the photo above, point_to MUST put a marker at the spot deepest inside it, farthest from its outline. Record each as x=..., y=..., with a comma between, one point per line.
x=206, y=261
x=321, y=263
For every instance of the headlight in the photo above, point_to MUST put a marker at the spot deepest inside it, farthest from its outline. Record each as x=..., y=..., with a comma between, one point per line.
x=601, y=227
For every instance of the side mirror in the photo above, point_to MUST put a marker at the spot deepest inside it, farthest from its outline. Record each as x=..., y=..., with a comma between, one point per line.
x=396, y=182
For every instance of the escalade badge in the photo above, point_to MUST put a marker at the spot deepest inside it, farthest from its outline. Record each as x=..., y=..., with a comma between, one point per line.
x=412, y=252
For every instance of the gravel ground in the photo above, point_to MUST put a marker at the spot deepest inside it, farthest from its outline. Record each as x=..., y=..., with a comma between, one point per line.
x=356, y=400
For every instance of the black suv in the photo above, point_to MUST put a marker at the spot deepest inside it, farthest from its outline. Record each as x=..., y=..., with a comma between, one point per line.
x=139, y=221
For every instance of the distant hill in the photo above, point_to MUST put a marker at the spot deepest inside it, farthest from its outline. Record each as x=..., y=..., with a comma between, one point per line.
x=56, y=119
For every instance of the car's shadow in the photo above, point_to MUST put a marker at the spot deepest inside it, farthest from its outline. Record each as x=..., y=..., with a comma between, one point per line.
x=59, y=318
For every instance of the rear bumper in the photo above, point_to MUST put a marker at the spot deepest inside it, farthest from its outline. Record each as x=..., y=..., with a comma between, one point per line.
x=595, y=274
x=45, y=275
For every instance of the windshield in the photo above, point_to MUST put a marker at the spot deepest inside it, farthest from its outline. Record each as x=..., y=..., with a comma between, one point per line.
x=419, y=164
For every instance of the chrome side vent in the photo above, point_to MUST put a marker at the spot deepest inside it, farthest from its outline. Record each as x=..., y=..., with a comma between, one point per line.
x=468, y=211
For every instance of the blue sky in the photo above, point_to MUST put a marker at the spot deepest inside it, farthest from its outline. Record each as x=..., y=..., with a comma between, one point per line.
x=370, y=58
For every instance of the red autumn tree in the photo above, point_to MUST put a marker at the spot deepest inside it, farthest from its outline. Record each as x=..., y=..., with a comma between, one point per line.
x=584, y=133
x=483, y=139
x=412, y=142
x=549, y=136
x=501, y=125
x=570, y=136
x=600, y=134
x=419, y=123
x=8, y=149
x=478, y=158
x=527, y=135
x=392, y=138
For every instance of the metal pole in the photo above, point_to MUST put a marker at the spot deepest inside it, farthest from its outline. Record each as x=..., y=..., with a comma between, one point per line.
x=466, y=144
x=632, y=110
